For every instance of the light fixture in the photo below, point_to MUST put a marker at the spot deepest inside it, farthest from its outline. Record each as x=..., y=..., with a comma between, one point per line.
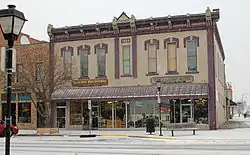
x=11, y=21
x=158, y=84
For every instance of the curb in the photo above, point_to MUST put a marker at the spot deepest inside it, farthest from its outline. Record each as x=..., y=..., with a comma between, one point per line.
x=114, y=135
x=34, y=135
x=153, y=137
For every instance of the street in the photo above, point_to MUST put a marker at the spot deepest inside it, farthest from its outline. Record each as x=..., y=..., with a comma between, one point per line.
x=122, y=146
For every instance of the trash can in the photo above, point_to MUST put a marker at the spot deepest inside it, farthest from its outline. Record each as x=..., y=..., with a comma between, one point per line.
x=150, y=125
x=245, y=115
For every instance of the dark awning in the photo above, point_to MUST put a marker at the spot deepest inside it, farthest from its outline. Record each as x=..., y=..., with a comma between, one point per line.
x=169, y=91
x=232, y=103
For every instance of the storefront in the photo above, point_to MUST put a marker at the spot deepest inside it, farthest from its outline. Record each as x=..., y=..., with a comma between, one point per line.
x=129, y=107
x=23, y=112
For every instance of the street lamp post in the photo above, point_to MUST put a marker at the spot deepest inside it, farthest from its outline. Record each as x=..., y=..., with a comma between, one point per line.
x=158, y=84
x=11, y=23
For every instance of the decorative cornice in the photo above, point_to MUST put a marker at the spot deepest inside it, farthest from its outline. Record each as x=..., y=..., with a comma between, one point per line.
x=142, y=26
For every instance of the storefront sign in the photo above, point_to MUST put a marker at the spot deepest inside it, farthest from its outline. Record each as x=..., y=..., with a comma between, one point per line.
x=164, y=109
x=89, y=82
x=173, y=79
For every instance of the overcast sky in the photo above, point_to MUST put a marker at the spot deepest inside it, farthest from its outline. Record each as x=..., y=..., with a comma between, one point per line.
x=234, y=23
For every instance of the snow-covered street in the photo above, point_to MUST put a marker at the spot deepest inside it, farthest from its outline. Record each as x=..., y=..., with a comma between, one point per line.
x=226, y=141
x=122, y=146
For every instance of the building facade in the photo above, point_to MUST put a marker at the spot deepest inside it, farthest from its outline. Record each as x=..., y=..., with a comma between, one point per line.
x=23, y=107
x=119, y=62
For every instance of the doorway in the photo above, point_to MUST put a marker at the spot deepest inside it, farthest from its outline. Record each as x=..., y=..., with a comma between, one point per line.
x=186, y=112
x=61, y=117
x=13, y=112
x=95, y=116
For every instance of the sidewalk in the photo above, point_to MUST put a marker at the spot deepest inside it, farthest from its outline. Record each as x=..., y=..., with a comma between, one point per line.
x=237, y=131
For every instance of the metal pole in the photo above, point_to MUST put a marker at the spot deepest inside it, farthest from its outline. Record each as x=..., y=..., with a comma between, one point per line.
x=126, y=113
x=8, y=108
x=180, y=112
x=90, y=116
x=159, y=103
x=113, y=115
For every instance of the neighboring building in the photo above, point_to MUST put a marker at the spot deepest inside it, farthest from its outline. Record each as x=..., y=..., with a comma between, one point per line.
x=231, y=105
x=23, y=109
x=119, y=62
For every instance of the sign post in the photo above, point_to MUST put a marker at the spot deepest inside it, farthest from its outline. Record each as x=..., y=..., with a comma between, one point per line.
x=90, y=116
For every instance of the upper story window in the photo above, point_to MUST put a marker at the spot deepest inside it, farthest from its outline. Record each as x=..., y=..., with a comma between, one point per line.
x=84, y=60
x=151, y=46
x=126, y=58
x=101, y=51
x=171, y=57
x=152, y=58
x=101, y=62
x=19, y=72
x=192, y=56
x=191, y=43
x=171, y=44
x=67, y=53
x=39, y=71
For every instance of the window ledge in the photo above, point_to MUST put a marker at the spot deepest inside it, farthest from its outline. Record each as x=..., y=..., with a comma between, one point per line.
x=192, y=72
x=84, y=77
x=126, y=75
x=172, y=73
x=152, y=74
x=101, y=77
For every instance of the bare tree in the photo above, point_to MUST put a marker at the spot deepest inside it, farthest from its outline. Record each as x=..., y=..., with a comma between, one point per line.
x=40, y=75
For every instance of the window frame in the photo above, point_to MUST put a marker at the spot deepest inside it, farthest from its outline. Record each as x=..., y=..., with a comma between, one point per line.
x=39, y=71
x=192, y=56
x=18, y=116
x=68, y=73
x=156, y=58
x=19, y=72
x=176, y=58
x=126, y=60
x=101, y=62
x=84, y=53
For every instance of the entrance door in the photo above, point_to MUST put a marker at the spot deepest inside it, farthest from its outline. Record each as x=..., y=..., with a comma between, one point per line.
x=95, y=116
x=61, y=117
x=186, y=113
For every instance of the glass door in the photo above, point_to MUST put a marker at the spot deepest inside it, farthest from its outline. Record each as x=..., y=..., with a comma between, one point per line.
x=95, y=117
x=186, y=113
x=61, y=117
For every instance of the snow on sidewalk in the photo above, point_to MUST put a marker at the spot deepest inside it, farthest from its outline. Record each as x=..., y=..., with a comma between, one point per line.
x=227, y=134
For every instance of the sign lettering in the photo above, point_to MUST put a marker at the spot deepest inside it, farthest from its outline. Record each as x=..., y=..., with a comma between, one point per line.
x=89, y=82
x=173, y=79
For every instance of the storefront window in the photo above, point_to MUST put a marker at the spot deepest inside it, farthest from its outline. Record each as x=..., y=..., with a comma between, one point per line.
x=139, y=111
x=119, y=119
x=75, y=113
x=24, y=112
x=201, y=111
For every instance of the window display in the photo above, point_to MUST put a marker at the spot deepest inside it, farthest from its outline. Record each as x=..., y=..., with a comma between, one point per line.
x=24, y=112
x=75, y=113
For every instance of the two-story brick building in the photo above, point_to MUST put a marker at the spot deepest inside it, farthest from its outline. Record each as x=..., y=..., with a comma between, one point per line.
x=118, y=63
x=23, y=107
